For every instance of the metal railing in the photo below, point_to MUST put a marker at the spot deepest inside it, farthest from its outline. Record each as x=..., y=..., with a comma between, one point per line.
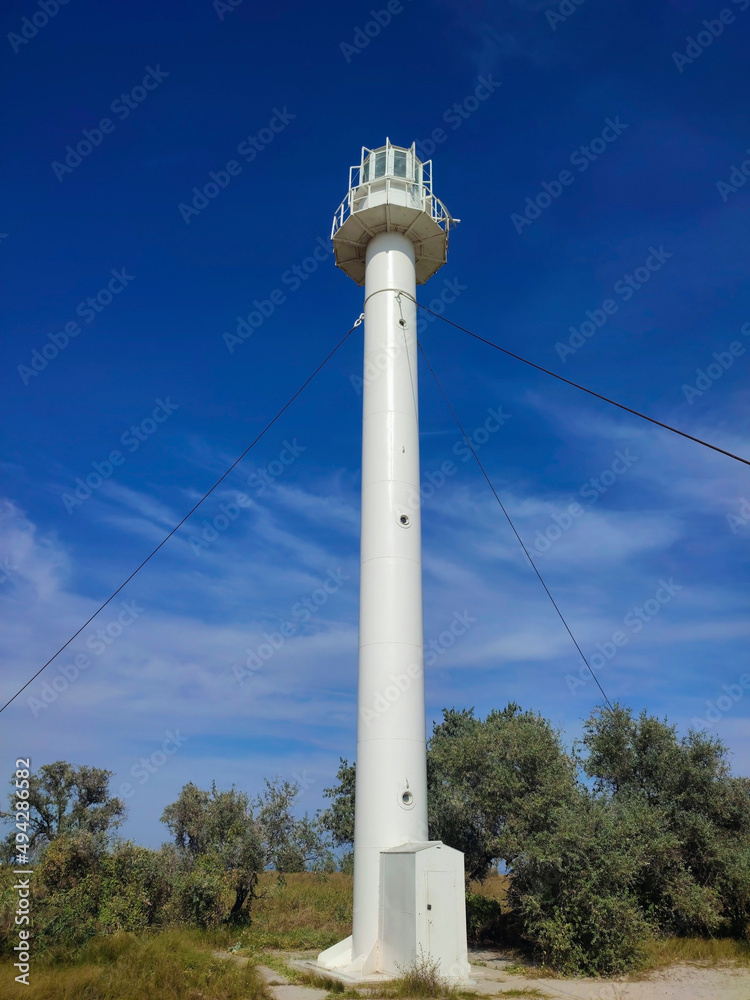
x=361, y=192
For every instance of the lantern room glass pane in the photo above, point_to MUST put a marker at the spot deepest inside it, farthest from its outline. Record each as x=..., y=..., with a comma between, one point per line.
x=391, y=162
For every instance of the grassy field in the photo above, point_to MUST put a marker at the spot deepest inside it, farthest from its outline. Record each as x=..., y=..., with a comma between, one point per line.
x=171, y=965
x=304, y=911
x=300, y=913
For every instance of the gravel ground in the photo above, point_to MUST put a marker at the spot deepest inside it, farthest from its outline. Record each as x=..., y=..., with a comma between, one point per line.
x=680, y=982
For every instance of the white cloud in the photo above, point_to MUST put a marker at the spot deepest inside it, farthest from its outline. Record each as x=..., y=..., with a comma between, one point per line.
x=144, y=504
x=26, y=557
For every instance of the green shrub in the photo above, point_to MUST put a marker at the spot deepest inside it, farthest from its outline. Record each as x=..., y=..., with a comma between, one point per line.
x=700, y=882
x=67, y=889
x=136, y=888
x=201, y=894
x=484, y=919
x=574, y=890
x=81, y=889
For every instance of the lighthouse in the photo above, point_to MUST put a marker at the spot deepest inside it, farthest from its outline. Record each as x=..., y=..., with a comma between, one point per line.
x=389, y=235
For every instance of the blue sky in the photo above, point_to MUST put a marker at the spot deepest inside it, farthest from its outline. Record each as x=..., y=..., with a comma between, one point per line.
x=513, y=96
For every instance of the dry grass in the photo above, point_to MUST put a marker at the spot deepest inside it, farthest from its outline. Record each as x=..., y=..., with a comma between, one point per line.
x=422, y=980
x=532, y=970
x=305, y=911
x=493, y=887
x=663, y=952
x=165, y=966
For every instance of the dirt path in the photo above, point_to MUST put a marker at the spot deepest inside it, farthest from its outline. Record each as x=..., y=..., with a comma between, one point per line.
x=679, y=982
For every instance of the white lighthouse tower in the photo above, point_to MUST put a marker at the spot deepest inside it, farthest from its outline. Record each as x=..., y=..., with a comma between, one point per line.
x=390, y=234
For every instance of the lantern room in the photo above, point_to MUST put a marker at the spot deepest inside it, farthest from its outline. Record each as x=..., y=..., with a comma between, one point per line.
x=390, y=190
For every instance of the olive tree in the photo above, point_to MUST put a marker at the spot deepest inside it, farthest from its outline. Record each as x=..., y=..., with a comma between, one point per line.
x=64, y=799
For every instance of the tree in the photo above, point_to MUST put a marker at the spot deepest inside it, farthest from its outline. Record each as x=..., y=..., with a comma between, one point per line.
x=339, y=818
x=220, y=844
x=64, y=800
x=291, y=844
x=494, y=783
x=574, y=889
x=688, y=783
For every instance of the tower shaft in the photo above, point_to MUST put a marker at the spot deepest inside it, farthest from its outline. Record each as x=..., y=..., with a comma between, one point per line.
x=391, y=790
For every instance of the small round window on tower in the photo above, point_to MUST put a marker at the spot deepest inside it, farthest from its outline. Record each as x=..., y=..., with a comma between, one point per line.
x=407, y=798
x=404, y=520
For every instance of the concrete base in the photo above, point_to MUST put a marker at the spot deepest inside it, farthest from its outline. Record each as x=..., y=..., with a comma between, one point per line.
x=374, y=979
x=351, y=978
